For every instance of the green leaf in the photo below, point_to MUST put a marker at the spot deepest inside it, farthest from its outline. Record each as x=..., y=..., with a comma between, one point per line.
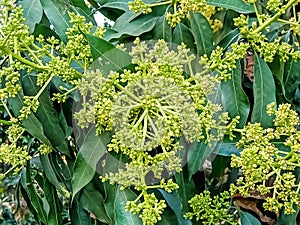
x=57, y=13
x=116, y=4
x=35, y=199
x=236, y=5
x=92, y=201
x=227, y=149
x=291, y=78
x=32, y=12
x=55, y=213
x=175, y=204
x=46, y=114
x=197, y=154
x=264, y=92
x=92, y=149
x=123, y=216
x=235, y=100
x=31, y=124
x=182, y=34
x=107, y=55
x=202, y=33
x=219, y=164
x=49, y=169
x=162, y=30
x=131, y=25
x=78, y=215
x=248, y=219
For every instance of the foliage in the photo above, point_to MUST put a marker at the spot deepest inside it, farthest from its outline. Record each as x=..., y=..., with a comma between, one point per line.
x=181, y=112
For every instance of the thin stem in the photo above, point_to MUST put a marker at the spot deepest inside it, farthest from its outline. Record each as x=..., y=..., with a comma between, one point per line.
x=128, y=93
x=7, y=109
x=34, y=56
x=5, y=122
x=288, y=22
x=274, y=18
x=141, y=118
x=44, y=87
x=257, y=14
x=23, y=60
x=160, y=3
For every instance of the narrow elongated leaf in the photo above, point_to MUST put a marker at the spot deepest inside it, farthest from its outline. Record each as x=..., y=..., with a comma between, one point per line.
x=175, y=204
x=264, y=92
x=35, y=199
x=182, y=34
x=92, y=200
x=92, y=149
x=49, y=169
x=55, y=213
x=248, y=219
x=78, y=215
x=123, y=216
x=32, y=12
x=236, y=5
x=235, y=100
x=57, y=13
x=107, y=55
x=202, y=33
x=162, y=30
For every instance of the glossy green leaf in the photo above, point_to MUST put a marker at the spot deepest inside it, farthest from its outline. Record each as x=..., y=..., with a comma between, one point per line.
x=55, y=213
x=174, y=203
x=162, y=30
x=202, y=33
x=46, y=114
x=81, y=8
x=197, y=154
x=291, y=78
x=92, y=201
x=116, y=4
x=264, y=92
x=91, y=150
x=235, y=100
x=182, y=34
x=236, y=5
x=123, y=216
x=57, y=13
x=132, y=26
x=107, y=55
x=78, y=215
x=32, y=12
x=248, y=219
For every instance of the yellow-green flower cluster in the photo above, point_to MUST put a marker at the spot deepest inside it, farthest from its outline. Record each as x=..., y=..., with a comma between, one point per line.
x=268, y=164
x=149, y=109
x=10, y=151
x=258, y=40
x=225, y=63
x=211, y=211
x=180, y=9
